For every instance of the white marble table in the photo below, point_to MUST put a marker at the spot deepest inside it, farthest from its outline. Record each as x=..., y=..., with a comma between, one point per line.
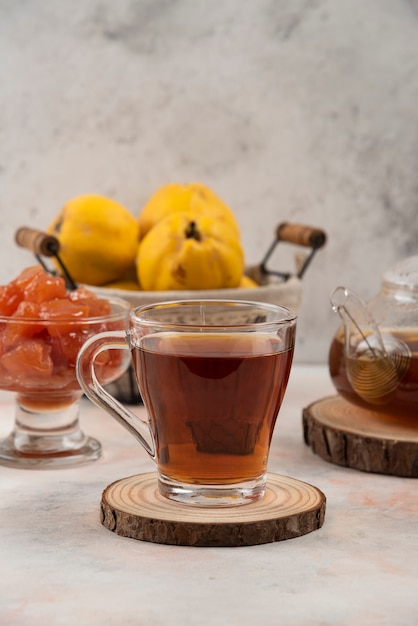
x=59, y=566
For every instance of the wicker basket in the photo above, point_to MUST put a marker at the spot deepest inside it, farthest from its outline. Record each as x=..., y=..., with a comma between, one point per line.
x=274, y=287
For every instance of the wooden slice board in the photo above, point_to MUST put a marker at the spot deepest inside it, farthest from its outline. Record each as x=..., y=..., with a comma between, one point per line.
x=133, y=507
x=344, y=434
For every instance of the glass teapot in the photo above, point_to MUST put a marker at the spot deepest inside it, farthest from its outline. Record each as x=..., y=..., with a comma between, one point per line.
x=373, y=358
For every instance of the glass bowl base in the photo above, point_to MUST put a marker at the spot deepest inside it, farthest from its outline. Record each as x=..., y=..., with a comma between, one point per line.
x=34, y=457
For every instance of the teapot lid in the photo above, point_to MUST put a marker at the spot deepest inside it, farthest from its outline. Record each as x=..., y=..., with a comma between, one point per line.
x=403, y=275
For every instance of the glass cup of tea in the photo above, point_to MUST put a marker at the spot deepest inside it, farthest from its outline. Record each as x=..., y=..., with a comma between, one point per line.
x=212, y=375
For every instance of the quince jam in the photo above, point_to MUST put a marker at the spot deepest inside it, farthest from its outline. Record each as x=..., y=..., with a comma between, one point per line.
x=42, y=327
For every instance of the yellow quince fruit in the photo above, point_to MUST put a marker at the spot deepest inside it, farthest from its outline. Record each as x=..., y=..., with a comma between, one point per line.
x=127, y=282
x=247, y=283
x=190, y=251
x=180, y=198
x=98, y=239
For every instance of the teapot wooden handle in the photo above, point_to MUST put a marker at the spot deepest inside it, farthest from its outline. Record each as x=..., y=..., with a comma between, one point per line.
x=37, y=241
x=301, y=235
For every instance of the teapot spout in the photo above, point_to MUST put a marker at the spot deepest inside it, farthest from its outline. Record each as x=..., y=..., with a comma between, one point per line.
x=374, y=368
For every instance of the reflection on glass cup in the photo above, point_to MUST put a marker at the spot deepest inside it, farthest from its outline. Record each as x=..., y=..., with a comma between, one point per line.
x=212, y=375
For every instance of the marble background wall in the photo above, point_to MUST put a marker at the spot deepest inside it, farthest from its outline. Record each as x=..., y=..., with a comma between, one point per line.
x=301, y=110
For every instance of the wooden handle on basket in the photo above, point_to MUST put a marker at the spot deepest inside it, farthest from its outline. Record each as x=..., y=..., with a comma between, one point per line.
x=301, y=235
x=37, y=241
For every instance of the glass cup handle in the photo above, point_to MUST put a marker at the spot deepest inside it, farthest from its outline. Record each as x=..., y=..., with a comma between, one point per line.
x=89, y=383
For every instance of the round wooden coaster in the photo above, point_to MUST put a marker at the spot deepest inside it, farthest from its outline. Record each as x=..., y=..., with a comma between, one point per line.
x=345, y=434
x=133, y=507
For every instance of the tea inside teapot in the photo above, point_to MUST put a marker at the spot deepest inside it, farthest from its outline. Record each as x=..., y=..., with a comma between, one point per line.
x=373, y=358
